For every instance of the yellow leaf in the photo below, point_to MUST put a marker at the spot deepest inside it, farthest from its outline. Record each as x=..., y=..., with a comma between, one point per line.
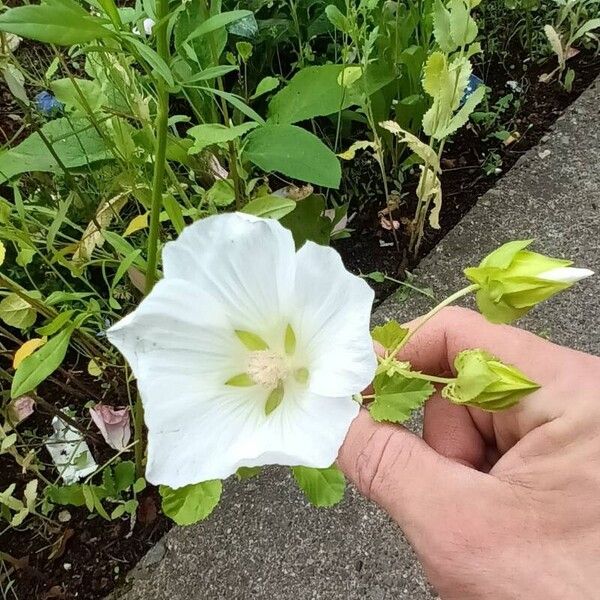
x=137, y=223
x=349, y=75
x=29, y=347
x=95, y=368
x=359, y=145
x=2, y=252
x=92, y=236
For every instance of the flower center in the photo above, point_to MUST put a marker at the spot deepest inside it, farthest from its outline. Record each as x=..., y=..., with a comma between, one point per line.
x=267, y=368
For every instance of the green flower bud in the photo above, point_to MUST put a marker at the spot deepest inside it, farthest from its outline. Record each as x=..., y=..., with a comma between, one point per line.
x=485, y=382
x=513, y=280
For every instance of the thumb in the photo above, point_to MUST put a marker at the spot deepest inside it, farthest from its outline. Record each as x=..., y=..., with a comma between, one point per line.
x=419, y=488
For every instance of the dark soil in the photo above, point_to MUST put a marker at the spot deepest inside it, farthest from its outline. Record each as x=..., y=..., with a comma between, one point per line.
x=90, y=555
x=372, y=248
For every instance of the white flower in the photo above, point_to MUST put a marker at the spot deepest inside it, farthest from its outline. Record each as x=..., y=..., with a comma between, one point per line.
x=566, y=274
x=148, y=25
x=247, y=352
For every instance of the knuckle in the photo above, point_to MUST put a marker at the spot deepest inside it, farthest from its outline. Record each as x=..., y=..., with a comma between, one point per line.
x=382, y=461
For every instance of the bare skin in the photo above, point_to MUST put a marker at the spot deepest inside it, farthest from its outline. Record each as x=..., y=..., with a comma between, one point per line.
x=497, y=505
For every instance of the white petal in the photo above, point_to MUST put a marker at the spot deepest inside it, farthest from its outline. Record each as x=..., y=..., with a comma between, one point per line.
x=566, y=274
x=178, y=320
x=331, y=319
x=245, y=263
x=211, y=437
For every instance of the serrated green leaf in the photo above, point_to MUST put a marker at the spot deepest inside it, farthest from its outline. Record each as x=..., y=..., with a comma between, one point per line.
x=322, y=487
x=191, y=503
x=398, y=396
x=462, y=25
x=441, y=27
x=462, y=116
x=390, y=334
x=66, y=494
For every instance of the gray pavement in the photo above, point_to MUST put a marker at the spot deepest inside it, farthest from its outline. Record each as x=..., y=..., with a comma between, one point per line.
x=264, y=541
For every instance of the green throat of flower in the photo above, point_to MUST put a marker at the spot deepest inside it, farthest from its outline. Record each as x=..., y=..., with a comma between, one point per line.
x=270, y=369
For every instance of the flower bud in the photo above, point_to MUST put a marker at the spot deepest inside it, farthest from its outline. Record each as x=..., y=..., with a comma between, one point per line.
x=485, y=382
x=513, y=280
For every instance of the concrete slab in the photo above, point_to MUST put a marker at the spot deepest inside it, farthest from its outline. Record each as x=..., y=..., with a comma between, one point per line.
x=264, y=541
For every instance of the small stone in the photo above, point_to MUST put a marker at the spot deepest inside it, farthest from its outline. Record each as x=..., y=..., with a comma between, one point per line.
x=64, y=516
x=544, y=154
x=67, y=566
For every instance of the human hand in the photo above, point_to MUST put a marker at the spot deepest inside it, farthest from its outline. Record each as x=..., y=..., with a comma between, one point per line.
x=497, y=505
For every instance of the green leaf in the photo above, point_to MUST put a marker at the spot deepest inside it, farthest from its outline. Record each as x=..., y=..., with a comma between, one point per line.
x=294, y=152
x=217, y=22
x=139, y=485
x=236, y=102
x=322, y=487
x=306, y=221
x=441, y=27
x=74, y=140
x=337, y=18
x=389, y=335
x=265, y=85
x=252, y=341
x=174, y=212
x=17, y=312
x=52, y=24
x=192, y=503
x=315, y=91
x=124, y=476
x=38, y=366
x=462, y=25
x=66, y=494
x=154, y=59
x=462, y=116
x=214, y=133
x=247, y=472
x=272, y=207
x=221, y=193
x=396, y=397
x=66, y=92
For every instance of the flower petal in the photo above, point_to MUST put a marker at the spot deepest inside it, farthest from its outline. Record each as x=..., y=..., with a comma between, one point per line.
x=179, y=321
x=213, y=432
x=331, y=320
x=566, y=274
x=245, y=263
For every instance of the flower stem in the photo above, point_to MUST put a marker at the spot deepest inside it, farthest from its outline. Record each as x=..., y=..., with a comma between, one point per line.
x=161, y=124
x=425, y=377
x=434, y=311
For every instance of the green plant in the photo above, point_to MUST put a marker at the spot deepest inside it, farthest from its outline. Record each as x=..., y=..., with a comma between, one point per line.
x=574, y=24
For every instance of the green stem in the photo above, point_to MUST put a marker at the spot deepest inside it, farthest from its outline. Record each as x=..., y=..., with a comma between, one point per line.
x=161, y=125
x=434, y=311
x=433, y=378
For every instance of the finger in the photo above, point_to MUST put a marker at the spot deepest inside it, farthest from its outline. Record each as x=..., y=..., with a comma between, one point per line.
x=408, y=479
x=433, y=347
x=449, y=429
